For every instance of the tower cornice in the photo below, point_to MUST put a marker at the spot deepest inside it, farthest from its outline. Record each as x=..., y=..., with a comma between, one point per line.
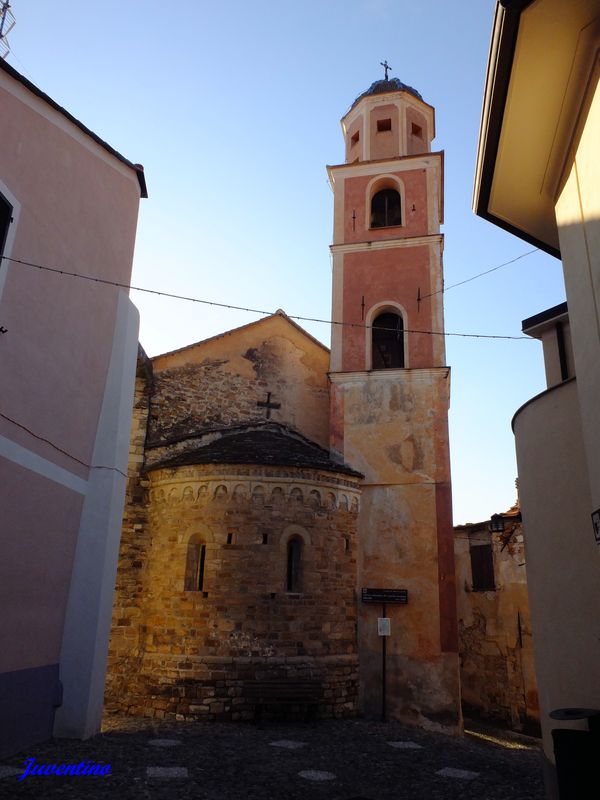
x=377, y=166
x=388, y=244
x=406, y=375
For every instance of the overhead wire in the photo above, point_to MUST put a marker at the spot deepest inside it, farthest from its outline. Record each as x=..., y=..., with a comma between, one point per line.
x=479, y=274
x=159, y=293
x=60, y=449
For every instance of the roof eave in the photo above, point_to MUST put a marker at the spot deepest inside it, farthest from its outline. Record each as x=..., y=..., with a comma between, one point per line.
x=503, y=42
x=502, y=47
x=536, y=325
x=137, y=168
x=279, y=313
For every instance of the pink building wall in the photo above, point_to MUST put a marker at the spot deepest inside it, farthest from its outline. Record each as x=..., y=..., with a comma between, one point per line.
x=415, y=215
x=392, y=273
x=67, y=363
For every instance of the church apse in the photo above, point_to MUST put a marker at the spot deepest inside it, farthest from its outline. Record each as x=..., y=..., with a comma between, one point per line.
x=238, y=553
x=202, y=635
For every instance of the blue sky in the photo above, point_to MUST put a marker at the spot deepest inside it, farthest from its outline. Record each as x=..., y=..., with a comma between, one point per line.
x=234, y=110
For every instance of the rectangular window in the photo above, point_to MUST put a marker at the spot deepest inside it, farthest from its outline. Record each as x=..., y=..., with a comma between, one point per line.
x=354, y=138
x=5, y=217
x=384, y=125
x=482, y=568
x=417, y=131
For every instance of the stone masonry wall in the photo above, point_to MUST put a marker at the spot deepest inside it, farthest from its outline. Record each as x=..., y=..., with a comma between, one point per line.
x=128, y=597
x=187, y=653
x=496, y=650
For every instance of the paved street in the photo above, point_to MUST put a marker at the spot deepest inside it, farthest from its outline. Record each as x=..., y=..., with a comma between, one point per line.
x=333, y=760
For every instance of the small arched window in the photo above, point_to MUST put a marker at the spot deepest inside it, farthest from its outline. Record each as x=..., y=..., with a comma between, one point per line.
x=386, y=209
x=294, y=564
x=387, y=337
x=194, y=565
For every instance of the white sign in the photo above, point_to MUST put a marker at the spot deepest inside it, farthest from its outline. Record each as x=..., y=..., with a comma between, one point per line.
x=383, y=626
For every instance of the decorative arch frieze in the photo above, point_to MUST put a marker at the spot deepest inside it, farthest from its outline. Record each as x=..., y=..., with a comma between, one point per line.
x=274, y=494
x=221, y=492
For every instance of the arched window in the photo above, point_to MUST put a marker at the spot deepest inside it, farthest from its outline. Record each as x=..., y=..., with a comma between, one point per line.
x=387, y=337
x=194, y=565
x=294, y=563
x=386, y=209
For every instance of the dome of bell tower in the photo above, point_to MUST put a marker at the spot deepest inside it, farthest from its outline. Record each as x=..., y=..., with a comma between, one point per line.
x=388, y=120
x=387, y=85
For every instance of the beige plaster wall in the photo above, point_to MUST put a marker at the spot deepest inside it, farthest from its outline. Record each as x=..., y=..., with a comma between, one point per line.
x=495, y=640
x=392, y=428
x=216, y=384
x=563, y=589
x=578, y=219
x=551, y=354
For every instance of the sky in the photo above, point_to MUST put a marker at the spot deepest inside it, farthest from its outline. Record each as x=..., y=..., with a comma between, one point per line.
x=233, y=108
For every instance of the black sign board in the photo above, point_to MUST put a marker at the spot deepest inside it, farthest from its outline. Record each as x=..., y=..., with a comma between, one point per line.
x=385, y=596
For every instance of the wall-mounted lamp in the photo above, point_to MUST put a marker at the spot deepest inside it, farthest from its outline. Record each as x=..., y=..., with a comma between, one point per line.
x=496, y=523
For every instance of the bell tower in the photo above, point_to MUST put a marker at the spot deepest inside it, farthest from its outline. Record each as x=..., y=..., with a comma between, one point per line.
x=390, y=390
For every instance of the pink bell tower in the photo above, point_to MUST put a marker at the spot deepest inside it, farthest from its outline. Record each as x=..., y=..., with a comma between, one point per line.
x=390, y=390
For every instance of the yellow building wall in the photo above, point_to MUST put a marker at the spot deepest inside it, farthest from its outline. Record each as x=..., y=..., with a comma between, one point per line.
x=496, y=649
x=578, y=219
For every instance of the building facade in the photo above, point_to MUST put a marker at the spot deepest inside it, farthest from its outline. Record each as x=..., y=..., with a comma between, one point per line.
x=271, y=481
x=67, y=359
x=497, y=676
x=544, y=78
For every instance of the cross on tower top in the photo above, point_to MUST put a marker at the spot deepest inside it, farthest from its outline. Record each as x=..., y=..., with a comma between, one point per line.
x=385, y=66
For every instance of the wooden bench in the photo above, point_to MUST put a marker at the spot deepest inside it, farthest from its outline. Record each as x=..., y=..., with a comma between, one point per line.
x=284, y=691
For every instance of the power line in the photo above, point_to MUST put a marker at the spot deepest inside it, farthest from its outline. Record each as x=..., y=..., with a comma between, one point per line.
x=59, y=449
x=158, y=293
x=480, y=274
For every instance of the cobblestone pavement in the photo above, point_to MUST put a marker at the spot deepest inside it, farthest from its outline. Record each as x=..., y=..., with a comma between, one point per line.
x=326, y=760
